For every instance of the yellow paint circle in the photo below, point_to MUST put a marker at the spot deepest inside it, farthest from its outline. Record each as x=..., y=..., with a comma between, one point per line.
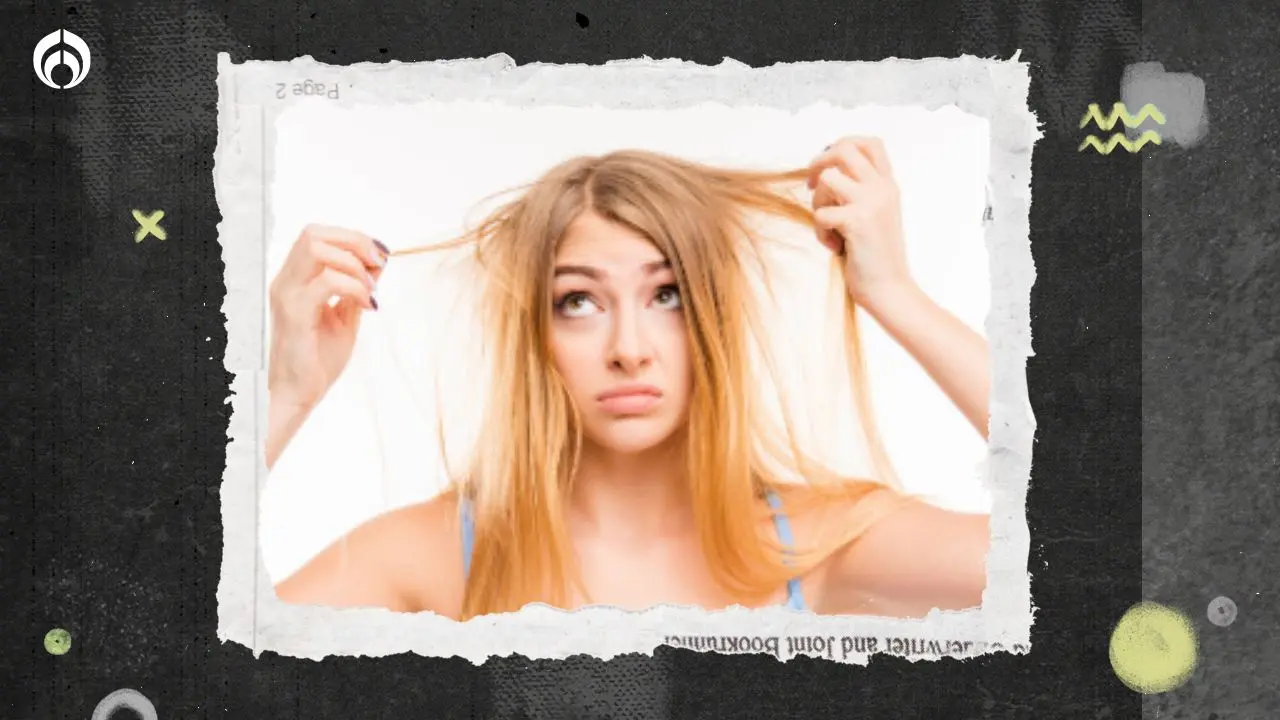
x=1153, y=648
x=57, y=642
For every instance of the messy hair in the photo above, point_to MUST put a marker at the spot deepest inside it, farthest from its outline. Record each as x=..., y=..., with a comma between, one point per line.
x=518, y=478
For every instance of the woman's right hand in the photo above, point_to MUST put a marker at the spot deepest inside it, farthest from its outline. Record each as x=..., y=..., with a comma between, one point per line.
x=312, y=338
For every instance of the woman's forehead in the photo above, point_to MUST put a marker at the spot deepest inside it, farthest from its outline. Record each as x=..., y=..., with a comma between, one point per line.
x=592, y=240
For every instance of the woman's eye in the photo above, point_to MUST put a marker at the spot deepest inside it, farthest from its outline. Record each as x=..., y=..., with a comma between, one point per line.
x=575, y=305
x=668, y=297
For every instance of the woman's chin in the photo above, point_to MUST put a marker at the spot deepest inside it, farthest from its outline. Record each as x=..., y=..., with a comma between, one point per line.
x=633, y=435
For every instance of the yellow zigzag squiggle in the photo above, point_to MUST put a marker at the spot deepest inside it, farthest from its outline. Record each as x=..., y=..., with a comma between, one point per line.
x=1120, y=112
x=1149, y=136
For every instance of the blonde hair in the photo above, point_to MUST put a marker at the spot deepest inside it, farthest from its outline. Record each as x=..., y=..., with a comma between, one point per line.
x=524, y=462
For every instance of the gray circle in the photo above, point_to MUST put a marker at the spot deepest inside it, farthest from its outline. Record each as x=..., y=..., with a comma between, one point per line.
x=120, y=699
x=1222, y=611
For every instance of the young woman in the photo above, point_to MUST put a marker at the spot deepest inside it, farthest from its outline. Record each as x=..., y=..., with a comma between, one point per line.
x=625, y=459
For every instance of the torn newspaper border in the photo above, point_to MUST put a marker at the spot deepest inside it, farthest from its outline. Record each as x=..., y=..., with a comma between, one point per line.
x=251, y=94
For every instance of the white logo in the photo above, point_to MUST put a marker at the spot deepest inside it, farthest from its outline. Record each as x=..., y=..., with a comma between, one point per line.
x=61, y=47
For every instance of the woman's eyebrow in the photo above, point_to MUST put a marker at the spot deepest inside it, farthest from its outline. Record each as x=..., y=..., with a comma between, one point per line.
x=584, y=270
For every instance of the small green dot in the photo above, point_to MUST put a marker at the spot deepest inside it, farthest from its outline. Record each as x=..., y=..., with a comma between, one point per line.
x=57, y=641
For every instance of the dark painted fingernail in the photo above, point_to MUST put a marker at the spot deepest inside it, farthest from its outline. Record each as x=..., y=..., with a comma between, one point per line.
x=382, y=248
x=826, y=148
x=373, y=301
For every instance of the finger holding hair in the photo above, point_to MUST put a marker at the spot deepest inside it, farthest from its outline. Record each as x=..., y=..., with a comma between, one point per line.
x=848, y=157
x=839, y=187
x=372, y=252
x=331, y=283
x=824, y=195
x=831, y=222
x=345, y=261
x=873, y=149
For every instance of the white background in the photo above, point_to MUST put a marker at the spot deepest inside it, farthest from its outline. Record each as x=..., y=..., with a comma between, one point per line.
x=409, y=175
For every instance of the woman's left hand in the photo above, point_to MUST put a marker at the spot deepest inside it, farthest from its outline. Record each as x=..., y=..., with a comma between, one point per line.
x=859, y=216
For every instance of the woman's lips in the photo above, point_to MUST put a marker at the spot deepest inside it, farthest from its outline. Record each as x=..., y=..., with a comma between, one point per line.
x=630, y=399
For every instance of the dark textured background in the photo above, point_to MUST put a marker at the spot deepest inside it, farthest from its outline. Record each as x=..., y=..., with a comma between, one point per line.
x=1210, y=376
x=114, y=393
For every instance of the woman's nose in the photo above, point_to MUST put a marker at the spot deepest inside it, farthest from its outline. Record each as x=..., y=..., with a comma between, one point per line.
x=630, y=350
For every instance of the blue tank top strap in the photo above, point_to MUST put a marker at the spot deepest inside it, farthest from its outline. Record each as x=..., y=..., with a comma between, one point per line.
x=795, y=596
x=468, y=535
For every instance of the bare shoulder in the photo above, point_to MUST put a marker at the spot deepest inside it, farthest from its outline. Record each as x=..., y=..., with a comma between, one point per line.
x=821, y=518
x=905, y=556
x=406, y=560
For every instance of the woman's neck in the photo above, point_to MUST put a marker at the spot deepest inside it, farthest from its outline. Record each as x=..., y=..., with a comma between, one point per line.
x=632, y=496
